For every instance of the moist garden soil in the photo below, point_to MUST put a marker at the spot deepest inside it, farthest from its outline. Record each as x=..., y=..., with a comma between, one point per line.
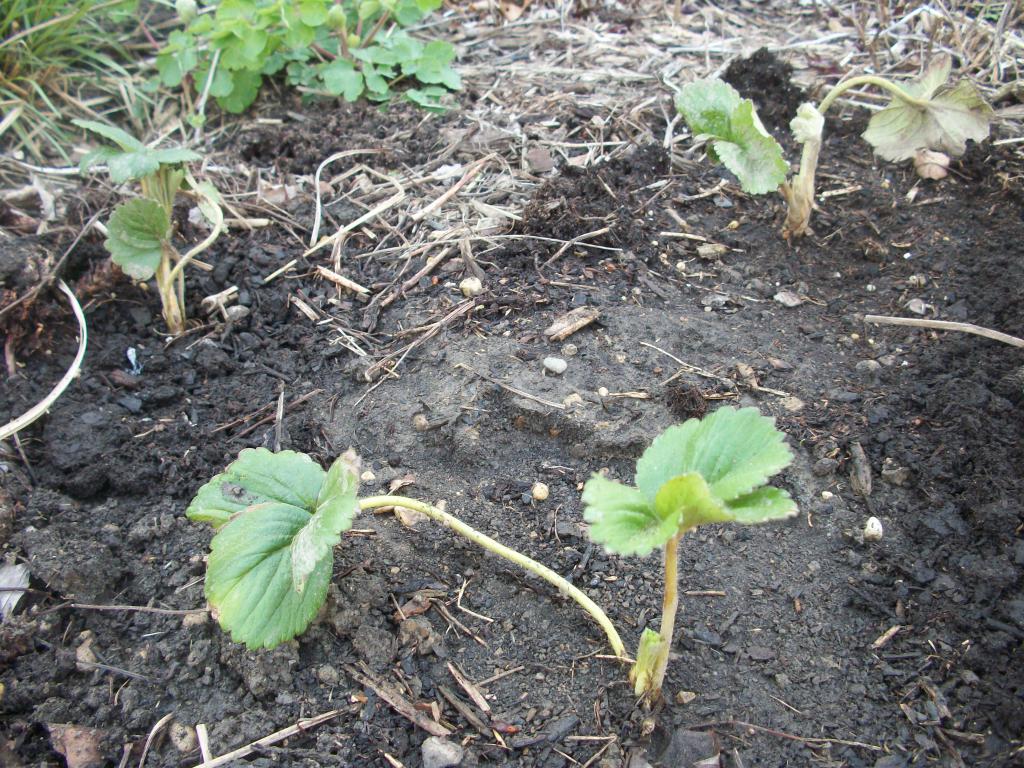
x=798, y=643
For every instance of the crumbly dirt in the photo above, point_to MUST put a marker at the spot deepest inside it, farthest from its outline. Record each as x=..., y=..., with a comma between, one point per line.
x=798, y=643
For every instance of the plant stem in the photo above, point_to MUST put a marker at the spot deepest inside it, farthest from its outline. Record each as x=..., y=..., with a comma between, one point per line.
x=376, y=28
x=879, y=82
x=669, y=609
x=556, y=580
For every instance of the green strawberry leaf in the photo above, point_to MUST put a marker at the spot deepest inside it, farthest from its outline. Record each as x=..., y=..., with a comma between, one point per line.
x=341, y=78
x=428, y=97
x=258, y=476
x=177, y=58
x=688, y=499
x=313, y=13
x=249, y=576
x=951, y=115
x=136, y=234
x=245, y=87
x=271, y=561
x=134, y=160
x=715, y=111
x=762, y=505
x=336, y=506
x=695, y=473
x=735, y=451
x=623, y=520
x=123, y=139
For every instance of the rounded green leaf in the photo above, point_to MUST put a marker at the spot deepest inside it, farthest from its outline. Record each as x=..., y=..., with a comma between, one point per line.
x=623, y=520
x=258, y=476
x=135, y=236
x=735, y=451
x=249, y=576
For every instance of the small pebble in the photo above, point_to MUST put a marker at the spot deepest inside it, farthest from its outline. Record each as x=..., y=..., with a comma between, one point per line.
x=183, y=737
x=420, y=423
x=873, y=529
x=788, y=299
x=685, y=697
x=570, y=350
x=539, y=491
x=602, y=391
x=439, y=752
x=574, y=399
x=869, y=367
x=367, y=477
x=471, y=286
x=555, y=365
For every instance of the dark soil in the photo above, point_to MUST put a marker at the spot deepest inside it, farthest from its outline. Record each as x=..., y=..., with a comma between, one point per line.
x=766, y=80
x=789, y=627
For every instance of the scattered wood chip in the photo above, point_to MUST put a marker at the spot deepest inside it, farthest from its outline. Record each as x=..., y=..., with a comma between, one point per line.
x=711, y=251
x=886, y=636
x=80, y=746
x=341, y=280
x=860, y=472
x=572, y=321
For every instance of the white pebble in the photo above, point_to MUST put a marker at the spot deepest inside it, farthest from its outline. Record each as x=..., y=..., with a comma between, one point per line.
x=602, y=391
x=556, y=365
x=539, y=491
x=873, y=529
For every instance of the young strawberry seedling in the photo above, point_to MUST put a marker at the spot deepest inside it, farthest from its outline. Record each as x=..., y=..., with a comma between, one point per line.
x=928, y=114
x=278, y=517
x=350, y=48
x=708, y=471
x=140, y=231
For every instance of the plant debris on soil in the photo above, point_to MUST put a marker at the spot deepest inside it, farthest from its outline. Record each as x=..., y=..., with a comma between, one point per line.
x=798, y=643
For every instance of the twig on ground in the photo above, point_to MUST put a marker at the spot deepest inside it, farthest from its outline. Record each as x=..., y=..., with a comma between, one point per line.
x=152, y=735
x=285, y=733
x=784, y=734
x=266, y=419
x=467, y=177
x=944, y=325
x=390, y=695
x=511, y=389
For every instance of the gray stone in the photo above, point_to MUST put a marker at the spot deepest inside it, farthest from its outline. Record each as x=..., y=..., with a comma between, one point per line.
x=439, y=752
x=555, y=365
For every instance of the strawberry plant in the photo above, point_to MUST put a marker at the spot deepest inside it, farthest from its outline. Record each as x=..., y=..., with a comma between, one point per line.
x=928, y=114
x=278, y=517
x=349, y=49
x=140, y=230
x=699, y=472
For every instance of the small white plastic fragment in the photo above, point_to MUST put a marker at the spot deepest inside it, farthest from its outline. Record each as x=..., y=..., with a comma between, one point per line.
x=13, y=582
x=873, y=529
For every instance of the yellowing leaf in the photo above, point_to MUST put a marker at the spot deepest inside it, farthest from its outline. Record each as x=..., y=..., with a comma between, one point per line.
x=947, y=118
